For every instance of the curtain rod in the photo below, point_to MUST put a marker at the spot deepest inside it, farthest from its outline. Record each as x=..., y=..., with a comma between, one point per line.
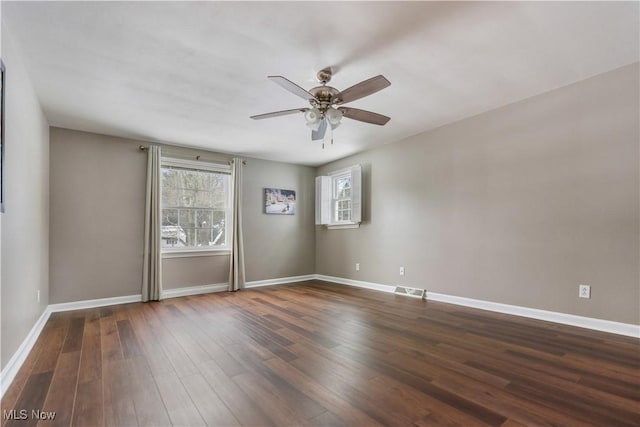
x=197, y=156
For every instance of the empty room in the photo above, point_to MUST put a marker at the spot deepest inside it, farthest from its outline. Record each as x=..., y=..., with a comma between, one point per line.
x=319, y=213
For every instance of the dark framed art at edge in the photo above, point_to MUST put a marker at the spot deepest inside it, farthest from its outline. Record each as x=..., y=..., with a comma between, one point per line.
x=2, y=141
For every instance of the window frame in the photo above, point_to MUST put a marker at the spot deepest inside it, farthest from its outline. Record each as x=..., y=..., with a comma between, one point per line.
x=327, y=198
x=197, y=165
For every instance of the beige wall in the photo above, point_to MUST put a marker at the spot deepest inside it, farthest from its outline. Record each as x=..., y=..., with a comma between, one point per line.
x=97, y=217
x=278, y=245
x=517, y=205
x=194, y=271
x=25, y=223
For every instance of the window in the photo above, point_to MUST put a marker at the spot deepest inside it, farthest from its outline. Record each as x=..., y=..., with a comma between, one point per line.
x=342, y=197
x=195, y=205
x=338, y=196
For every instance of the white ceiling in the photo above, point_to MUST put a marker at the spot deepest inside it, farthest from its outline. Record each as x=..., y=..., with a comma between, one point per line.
x=192, y=73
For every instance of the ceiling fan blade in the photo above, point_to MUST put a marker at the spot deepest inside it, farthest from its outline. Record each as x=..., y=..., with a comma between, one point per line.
x=318, y=135
x=360, y=90
x=278, y=113
x=364, y=116
x=291, y=87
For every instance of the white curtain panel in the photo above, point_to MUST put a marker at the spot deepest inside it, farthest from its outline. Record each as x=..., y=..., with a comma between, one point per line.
x=152, y=264
x=236, y=263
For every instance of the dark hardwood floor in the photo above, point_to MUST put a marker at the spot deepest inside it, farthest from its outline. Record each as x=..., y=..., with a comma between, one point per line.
x=315, y=353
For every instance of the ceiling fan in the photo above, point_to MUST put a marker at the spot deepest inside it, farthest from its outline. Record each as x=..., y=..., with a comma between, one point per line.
x=326, y=110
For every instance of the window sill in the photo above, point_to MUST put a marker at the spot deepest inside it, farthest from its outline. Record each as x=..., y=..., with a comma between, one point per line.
x=188, y=253
x=340, y=226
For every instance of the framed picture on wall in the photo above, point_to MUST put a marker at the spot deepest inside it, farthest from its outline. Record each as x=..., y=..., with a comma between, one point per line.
x=279, y=202
x=2, y=142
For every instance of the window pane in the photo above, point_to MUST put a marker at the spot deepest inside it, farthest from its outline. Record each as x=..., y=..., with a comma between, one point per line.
x=170, y=190
x=194, y=207
x=191, y=236
x=204, y=237
x=204, y=218
x=173, y=236
x=218, y=237
x=344, y=204
x=343, y=187
x=169, y=216
x=170, y=196
x=187, y=197
x=219, y=194
x=343, y=210
x=187, y=218
x=203, y=199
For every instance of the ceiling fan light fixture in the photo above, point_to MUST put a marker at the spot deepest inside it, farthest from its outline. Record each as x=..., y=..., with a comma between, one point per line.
x=313, y=118
x=334, y=116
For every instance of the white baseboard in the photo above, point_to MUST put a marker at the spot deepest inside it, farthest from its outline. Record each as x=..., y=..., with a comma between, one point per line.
x=618, y=328
x=534, y=313
x=194, y=290
x=92, y=303
x=356, y=283
x=15, y=363
x=279, y=281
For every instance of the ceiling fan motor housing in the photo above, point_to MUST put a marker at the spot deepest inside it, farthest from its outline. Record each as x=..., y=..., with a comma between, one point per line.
x=322, y=97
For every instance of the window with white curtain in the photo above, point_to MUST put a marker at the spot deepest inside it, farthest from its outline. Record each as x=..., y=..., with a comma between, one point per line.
x=338, y=198
x=196, y=206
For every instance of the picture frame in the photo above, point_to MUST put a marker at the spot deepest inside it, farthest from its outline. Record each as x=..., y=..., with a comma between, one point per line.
x=278, y=201
x=2, y=139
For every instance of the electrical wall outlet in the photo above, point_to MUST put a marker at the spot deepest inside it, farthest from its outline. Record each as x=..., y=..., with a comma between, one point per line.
x=357, y=266
x=584, y=291
x=402, y=271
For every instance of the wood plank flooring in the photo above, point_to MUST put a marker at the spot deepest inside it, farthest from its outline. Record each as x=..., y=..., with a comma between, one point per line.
x=320, y=354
